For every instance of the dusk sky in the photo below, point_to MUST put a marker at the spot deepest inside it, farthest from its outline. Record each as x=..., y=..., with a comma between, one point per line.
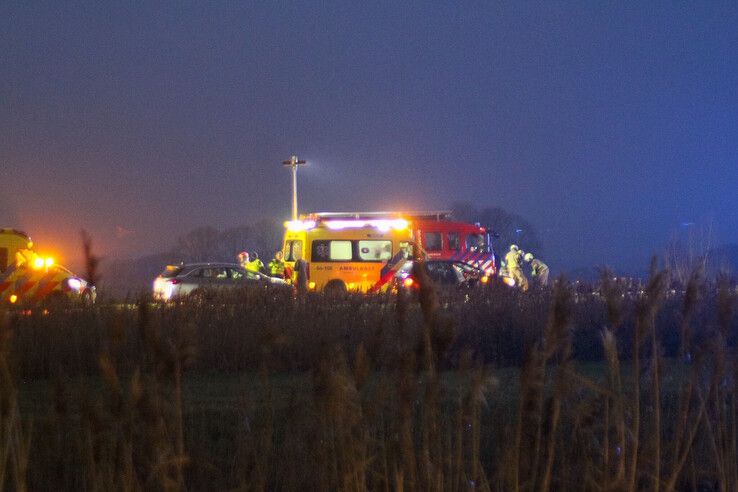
x=607, y=125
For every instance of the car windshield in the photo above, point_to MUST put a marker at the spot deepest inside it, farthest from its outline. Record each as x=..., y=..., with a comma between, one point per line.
x=171, y=271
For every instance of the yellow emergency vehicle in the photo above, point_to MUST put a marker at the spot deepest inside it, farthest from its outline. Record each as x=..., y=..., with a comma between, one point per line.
x=27, y=277
x=345, y=254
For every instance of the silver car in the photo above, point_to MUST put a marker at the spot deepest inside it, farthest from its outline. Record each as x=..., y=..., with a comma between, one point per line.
x=179, y=280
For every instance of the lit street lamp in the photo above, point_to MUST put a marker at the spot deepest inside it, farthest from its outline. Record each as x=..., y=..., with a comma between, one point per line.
x=292, y=163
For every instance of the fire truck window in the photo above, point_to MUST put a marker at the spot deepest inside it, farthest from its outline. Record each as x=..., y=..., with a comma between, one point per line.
x=475, y=242
x=293, y=250
x=375, y=250
x=432, y=241
x=453, y=241
x=3, y=259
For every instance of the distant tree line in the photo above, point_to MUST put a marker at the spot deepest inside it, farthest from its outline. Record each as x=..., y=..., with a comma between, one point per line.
x=507, y=228
x=129, y=276
x=210, y=244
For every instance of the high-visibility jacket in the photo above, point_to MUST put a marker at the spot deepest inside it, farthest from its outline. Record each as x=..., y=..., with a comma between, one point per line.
x=512, y=260
x=255, y=265
x=276, y=267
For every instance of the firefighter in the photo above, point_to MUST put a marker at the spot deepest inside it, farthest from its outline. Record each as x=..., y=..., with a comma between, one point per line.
x=538, y=270
x=243, y=259
x=276, y=266
x=255, y=265
x=512, y=260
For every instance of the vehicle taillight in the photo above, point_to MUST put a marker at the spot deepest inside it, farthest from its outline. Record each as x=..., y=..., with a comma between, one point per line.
x=173, y=281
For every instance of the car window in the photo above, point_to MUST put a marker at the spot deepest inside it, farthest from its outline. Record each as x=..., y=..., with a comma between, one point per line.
x=432, y=241
x=215, y=272
x=236, y=274
x=443, y=273
x=253, y=276
x=171, y=271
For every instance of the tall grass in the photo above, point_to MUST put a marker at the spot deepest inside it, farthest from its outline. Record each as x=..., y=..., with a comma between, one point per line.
x=606, y=391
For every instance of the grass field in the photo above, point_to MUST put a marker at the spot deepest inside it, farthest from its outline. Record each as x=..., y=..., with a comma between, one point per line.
x=489, y=389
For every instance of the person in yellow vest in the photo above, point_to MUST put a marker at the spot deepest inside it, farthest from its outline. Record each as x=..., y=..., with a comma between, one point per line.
x=276, y=266
x=512, y=261
x=255, y=265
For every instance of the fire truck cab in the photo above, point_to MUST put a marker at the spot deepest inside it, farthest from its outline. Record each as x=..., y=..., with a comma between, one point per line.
x=445, y=239
x=27, y=277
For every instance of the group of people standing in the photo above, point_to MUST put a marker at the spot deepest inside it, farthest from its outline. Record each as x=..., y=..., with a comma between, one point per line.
x=516, y=258
x=277, y=267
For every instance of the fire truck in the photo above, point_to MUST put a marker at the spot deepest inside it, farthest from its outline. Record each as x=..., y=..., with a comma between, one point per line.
x=27, y=277
x=360, y=250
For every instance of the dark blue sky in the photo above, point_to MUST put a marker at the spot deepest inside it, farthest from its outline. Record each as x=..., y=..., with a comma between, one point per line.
x=607, y=126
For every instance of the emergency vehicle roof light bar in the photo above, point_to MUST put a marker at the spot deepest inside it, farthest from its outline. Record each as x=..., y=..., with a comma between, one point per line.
x=432, y=215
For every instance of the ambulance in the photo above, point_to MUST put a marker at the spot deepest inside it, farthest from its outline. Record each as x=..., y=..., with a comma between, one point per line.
x=345, y=254
x=359, y=251
x=27, y=278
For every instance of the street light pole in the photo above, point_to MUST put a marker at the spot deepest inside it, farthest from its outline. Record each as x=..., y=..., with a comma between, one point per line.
x=293, y=163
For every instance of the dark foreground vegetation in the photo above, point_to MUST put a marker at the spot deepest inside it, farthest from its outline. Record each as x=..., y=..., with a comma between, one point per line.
x=488, y=389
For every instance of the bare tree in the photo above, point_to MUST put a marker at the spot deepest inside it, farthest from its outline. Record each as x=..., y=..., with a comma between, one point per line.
x=689, y=250
x=508, y=228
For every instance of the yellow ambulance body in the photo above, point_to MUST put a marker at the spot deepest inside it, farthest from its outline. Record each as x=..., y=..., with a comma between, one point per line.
x=345, y=254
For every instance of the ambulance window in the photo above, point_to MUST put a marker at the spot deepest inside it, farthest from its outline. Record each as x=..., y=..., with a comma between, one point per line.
x=3, y=259
x=341, y=251
x=432, y=241
x=293, y=250
x=331, y=251
x=375, y=250
x=453, y=241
